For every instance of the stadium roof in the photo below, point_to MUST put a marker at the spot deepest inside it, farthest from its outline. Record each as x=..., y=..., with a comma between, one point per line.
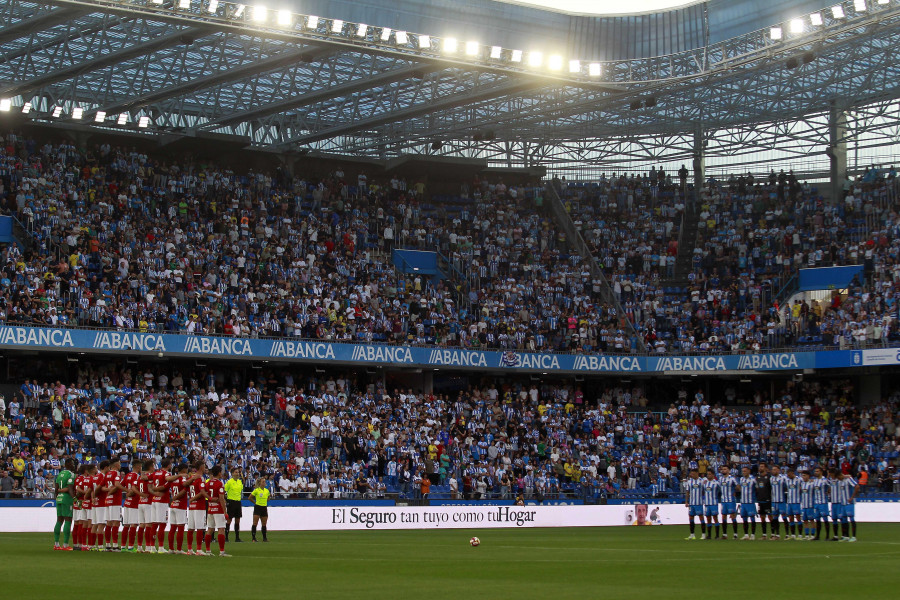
x=285, y=82
x=603, y=7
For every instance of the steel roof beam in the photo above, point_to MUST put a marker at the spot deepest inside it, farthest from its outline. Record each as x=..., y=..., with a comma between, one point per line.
x=321, y=95
x=102, y=61
x=39, y=23
x=283, y=59
x=469, y=97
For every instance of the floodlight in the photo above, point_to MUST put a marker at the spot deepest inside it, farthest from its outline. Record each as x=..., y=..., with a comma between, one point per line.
x=213, y=7
x=362, y=30
x=424, y=42
x=98, y=118
x=535, y=59
x=312, y=22
x=157, y=1
x=594, y=69
x=496, y=51
x=143, y=122
x=5, y=104
x=337, y=26
x=260, y=13
x=860, y=5
x=123, y=118
x=796, y=25
x=401, y=37
x=775, y=33
x=516, y=56
x=450, y=44
x=555, y=62
x=57, y=110
x=837, y=11
x=472, y=48
x=78, y=112
x=184, y=4
x=574, y=66
x=816, y=19
x=385, y=34
x=284, y=18
x=239, y=11
x=26, y=108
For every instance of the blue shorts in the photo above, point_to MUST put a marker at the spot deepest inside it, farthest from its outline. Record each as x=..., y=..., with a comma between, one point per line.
x=695, y=511
x=779, y=508
x=822, y=509
x=848, y=511
x=837, y=512
x=748, y=509
x=793, y=510
x=729, y=508
x=810, y=514
x=711, y=510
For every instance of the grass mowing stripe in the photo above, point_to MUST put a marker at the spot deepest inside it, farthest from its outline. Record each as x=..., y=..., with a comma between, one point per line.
x=622, y=562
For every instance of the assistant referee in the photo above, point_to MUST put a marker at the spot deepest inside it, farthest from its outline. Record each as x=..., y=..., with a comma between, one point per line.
x=234, y=489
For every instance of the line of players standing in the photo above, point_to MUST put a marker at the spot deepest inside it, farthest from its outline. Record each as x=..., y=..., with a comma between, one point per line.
x=774, y=498
x=143, y=501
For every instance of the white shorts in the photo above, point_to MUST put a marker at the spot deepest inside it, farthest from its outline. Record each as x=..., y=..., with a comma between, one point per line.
x=79, y=515
x=145, y=514
x=130, y=516
x=196, y=519
x=177, y=516
x=114, y=513
x=98, y=515
x=215, y=521
x=158, y=512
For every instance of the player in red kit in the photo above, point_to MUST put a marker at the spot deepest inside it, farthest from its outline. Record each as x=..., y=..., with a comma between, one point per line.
x=215, y=516
x=130, y=516
x=87, y=502
x=196, y=515
x=79, y=517
x=178, y=504
x=98, y=499
x=159, y=503
x=113, y=488
x=145, y=508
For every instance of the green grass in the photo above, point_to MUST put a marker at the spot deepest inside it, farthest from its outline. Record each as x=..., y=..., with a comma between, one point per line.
x=621, y=562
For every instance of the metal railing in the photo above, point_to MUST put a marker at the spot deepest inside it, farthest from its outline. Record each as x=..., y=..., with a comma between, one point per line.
x=564, y=220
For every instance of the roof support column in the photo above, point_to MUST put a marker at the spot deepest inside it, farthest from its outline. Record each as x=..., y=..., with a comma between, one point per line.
x=837, y=152
x=699, y=165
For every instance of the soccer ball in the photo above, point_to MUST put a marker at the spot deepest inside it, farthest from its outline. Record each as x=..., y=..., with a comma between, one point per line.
x=475, y=541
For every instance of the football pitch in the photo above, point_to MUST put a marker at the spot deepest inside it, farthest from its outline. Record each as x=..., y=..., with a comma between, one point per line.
x=612, y=562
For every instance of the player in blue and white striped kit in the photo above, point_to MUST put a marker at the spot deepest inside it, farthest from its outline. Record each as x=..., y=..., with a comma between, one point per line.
x=779, y=502
x=808, y=505
x=748, y=502
x=711, y=504
x=843, y=494
x=693, y=499
x=794, y=487
x=820, y=500
x=727, y=485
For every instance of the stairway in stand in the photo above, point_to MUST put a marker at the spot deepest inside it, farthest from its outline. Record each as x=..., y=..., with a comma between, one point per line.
x=685, y=249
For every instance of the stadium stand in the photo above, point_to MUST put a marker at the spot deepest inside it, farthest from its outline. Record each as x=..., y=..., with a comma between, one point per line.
x=332, y=436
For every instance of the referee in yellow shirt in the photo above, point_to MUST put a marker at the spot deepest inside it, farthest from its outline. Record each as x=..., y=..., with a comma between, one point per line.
x=234, y=489
x=260, y=497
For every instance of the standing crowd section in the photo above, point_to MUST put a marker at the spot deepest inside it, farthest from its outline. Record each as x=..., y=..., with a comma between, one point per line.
x=118, y=239
x=331, y=436
x=753, y=235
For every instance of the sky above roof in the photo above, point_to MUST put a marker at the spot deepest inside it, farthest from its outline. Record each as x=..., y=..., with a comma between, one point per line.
x=603, y=7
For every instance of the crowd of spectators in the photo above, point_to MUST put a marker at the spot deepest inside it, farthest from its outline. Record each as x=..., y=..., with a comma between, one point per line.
x=128, y=242
x=334, y=435
x=753, y=236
